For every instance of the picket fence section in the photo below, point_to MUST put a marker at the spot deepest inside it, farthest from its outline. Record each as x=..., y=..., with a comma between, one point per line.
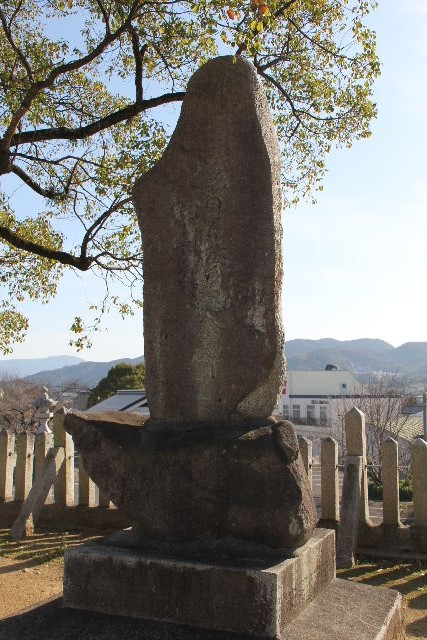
x=22, y=458
x=74, y=500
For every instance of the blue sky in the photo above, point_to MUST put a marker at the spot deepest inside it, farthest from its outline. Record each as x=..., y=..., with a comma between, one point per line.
x=354, y=263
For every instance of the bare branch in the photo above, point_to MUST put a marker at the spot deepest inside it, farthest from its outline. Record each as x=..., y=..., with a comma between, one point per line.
x=282, y=90
x=297, y=113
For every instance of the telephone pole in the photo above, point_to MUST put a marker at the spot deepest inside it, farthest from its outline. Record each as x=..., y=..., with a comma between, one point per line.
x=425, y=414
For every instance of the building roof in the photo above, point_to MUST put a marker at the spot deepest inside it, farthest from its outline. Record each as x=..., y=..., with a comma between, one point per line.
x=128, y=400
x=411, y=426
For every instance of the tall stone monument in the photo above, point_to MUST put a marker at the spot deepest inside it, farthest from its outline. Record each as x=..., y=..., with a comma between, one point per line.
x=209, y=213
x=222, y=511
x=211, y=462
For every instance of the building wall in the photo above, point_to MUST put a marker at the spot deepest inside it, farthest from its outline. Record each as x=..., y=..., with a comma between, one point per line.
x=315, y=397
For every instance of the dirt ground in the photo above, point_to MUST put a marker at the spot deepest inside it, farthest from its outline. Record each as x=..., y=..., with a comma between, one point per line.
x=31, y=572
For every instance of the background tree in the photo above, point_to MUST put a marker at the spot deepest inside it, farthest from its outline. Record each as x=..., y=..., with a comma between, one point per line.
x=121, y=376
x=81, y=84
x=17, y=408
x=382, y=400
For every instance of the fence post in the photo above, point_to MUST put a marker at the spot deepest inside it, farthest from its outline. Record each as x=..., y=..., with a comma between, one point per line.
x=64, y=483
x=86, y=487
x=355, y=439
x=7, y=464
x=24, y=465
x=419, y=478
x=306, y=449
x=390, y=482
x=24, y=523
x=350, y=507
x=44, y=442
x=329, y=479
x=104, y=500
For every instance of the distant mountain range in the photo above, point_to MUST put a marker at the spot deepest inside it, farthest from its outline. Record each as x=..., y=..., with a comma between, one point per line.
x=87, y=374
x=26, y=367
x=362, y=356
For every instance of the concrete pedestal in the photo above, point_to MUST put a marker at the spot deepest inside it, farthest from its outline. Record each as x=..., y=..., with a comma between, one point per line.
x=291, y=597
x=252, y=596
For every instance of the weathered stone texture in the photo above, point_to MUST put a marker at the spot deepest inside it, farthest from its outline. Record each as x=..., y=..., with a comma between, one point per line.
x=253, y=595
x=350, y=504
x=350, y=610
x=209, y=213
x=200, y=481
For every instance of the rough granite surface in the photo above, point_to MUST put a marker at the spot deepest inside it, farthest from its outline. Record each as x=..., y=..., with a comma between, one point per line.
x=209, y=213
x=195, y=482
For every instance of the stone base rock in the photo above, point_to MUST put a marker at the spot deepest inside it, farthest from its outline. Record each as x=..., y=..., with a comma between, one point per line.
x=288, y=598
x=347, y=610
x=257, y=596
x=184, y=483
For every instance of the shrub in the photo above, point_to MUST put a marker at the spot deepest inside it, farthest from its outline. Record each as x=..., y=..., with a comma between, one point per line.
x=375, y=491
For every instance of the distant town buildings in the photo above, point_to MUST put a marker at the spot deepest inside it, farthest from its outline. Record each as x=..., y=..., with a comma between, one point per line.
x=314, y=397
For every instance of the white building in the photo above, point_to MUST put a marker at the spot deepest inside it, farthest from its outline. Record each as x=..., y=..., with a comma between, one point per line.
x=314, y=397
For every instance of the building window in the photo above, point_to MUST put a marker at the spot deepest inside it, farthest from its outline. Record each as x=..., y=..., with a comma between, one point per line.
x=285, y=411
x=296, y=411
x=323, y=414
x=311, y=414
x=343, y=386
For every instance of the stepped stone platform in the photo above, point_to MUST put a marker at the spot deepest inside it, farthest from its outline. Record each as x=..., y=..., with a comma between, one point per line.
x=344, y=610
x=276, y=595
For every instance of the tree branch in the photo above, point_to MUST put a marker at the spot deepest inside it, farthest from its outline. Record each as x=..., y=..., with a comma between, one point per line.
x=96, y=226
x=47, y=193
x=66, y=67
x=57, y=161
x=280, y=11
x=297, y=113
x=282, y=90
x=79, y=133
x=105, y=16
x=317, y=44
x=14, y=46
x=138, y=54
x=78, y=262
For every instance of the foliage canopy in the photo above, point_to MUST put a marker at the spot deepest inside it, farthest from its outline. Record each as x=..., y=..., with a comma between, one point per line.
x=82, y=86
x=121, y=376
